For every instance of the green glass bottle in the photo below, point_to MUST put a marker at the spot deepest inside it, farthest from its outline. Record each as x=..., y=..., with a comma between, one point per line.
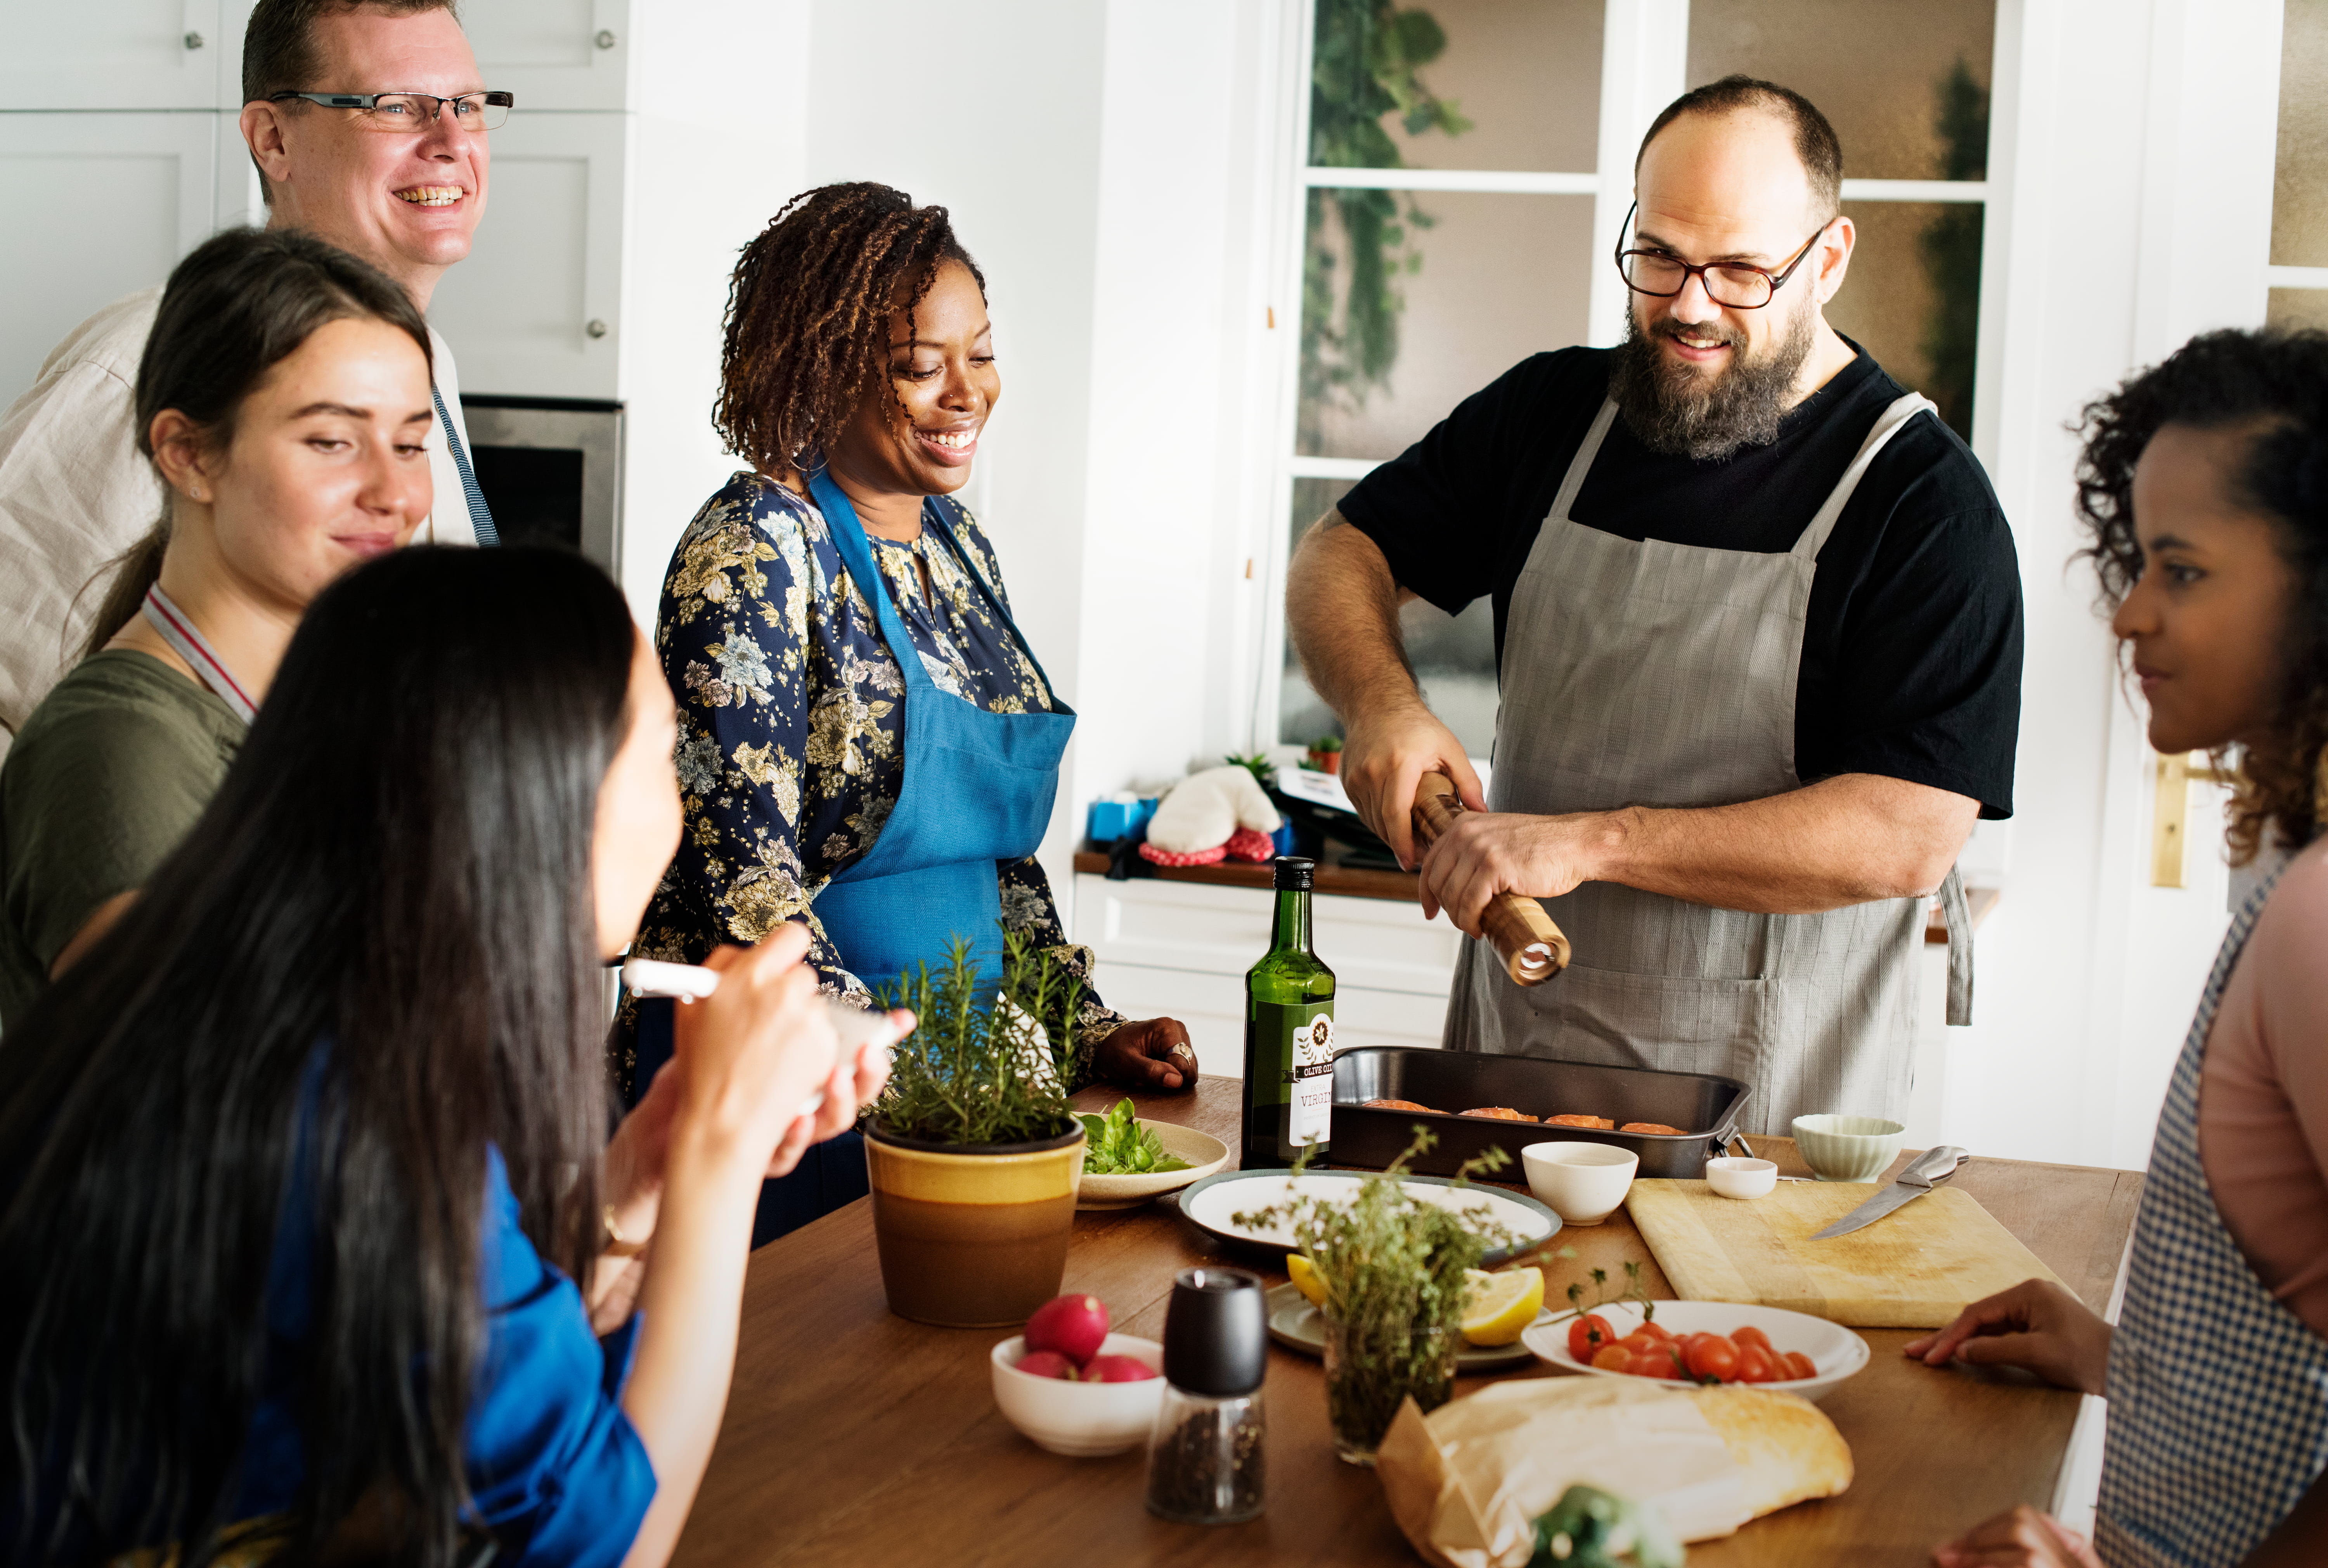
x=1288, y=1034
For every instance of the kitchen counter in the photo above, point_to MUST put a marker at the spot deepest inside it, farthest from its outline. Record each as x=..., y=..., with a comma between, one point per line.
x=854, y=1436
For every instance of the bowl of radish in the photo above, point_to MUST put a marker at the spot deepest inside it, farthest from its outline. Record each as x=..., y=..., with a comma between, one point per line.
x=1071, y=1387
x=1703, y=1342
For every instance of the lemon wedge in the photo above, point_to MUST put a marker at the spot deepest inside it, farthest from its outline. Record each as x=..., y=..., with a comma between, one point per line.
x=1306, y=1281
x=1502, y=1306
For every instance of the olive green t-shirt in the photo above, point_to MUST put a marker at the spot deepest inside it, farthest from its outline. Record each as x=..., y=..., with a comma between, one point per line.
x=106, y=777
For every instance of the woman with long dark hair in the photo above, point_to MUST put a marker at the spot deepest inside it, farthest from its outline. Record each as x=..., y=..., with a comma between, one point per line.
x=309, y=1204
x=284, y=402
x=868, y=743
x=2204, y=484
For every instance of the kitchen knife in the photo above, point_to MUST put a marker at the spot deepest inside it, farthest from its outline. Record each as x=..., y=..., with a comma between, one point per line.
x=1913, y=1182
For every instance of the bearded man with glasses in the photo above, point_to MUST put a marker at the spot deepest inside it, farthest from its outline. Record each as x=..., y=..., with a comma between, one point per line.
x=367, y=121
x=1758, y=619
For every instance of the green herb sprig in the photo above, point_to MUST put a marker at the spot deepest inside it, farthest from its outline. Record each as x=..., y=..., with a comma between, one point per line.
x=981, y=1065
x=1121, y=1146
x=1634, y=1292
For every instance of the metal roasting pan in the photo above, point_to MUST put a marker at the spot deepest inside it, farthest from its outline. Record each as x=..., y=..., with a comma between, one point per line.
x=1705, y=1107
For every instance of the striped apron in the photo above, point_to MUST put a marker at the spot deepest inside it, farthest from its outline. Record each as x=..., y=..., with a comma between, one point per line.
x=2217, y=1392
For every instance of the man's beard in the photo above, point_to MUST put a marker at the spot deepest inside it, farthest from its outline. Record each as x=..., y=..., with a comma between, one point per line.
x=1675, y=408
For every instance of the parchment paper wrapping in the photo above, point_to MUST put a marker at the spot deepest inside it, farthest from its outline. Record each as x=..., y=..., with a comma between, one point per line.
x=1467, y=1482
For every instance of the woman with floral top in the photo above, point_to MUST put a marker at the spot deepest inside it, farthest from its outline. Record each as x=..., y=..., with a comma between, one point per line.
x=888, y=807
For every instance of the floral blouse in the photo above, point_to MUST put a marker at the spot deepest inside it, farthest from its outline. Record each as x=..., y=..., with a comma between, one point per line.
x=792, y=723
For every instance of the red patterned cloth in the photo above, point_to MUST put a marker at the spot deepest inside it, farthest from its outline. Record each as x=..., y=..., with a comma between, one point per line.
x=1193, y=857
x=1252, y=844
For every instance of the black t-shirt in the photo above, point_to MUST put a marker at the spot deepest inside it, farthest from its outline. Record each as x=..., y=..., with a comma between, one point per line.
x=1911, y=654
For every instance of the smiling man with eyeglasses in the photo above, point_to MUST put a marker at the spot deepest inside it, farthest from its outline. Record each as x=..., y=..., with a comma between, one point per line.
x=368, y=122
x=1758, y=618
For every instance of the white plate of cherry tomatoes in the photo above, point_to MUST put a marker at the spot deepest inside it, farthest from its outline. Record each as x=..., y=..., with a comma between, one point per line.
x=1704, y=1342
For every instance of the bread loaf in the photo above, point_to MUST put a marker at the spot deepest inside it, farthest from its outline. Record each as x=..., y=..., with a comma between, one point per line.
x=1789, y=1450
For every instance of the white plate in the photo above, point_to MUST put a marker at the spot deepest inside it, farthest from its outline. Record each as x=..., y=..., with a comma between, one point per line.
x=1212, y=1203
x=1837, y=1352
x=1204, y=1152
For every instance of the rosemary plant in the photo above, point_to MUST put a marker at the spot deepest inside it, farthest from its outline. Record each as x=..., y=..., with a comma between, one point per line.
x=982, y=1066
x=1395, y=1271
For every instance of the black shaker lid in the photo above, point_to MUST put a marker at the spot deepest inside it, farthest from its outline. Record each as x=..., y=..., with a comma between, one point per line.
x=1216, y=1332
x=1293, y=873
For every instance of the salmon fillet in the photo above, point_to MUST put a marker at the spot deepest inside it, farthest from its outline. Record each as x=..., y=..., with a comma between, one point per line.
x=1403, y=1105
x=1599, y=1123
x=1501, y=1113
x=1650, y=1127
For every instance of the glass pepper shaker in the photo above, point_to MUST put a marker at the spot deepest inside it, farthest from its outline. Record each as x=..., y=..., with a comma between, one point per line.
x=1205, y=1454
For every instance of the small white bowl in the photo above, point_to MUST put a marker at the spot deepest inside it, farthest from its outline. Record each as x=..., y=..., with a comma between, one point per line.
x=1735, y=1178
x=1837, y=1351
x=1082, y=1420
x=1583, y=1183
x=1204, y=1152
x=1847, y=1148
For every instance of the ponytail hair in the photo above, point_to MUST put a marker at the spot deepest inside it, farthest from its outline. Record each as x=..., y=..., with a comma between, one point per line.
x=240, y=303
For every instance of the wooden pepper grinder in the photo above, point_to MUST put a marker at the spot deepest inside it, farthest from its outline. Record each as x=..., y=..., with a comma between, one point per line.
x=1532, y=947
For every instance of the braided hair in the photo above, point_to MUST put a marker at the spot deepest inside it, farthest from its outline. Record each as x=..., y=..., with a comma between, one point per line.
x=2277, y=381
x=809, y=311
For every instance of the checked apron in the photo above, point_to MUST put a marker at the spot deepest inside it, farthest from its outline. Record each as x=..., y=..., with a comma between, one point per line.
x=1645, y=673
x=2217, y=1392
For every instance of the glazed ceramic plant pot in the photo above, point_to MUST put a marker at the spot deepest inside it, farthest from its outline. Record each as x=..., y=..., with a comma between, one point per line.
x=972, y=1235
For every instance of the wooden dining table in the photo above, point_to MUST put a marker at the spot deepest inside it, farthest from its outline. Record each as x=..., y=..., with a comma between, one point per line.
x=853, y=1436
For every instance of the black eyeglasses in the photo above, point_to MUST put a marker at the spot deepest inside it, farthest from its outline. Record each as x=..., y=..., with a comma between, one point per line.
x=415, y=111
x=1734, y=284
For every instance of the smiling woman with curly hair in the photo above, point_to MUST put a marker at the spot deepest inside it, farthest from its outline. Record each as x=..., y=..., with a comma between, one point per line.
x=867, y=745
x=2204, y=484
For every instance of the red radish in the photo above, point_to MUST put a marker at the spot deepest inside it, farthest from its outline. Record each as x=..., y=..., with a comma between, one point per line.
x=1047, y=1363
x=1073, y=1326
x=1118, y=1369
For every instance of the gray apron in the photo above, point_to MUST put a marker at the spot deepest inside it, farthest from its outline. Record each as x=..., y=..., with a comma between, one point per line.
x=1658, y=675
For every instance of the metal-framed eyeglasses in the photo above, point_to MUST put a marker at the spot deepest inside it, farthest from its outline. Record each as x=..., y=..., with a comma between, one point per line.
x=415, y=111
x=1736, y=285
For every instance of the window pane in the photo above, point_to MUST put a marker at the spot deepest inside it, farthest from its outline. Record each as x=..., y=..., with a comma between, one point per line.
x=1904, y=82
x=1912, y=297
x=2299, y=208
x=1412, y=300
x=2297, y=307
x=1454, y=656
x=1519, y=81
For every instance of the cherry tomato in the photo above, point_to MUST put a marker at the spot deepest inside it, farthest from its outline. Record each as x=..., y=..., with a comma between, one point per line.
x=1757, y=1364
x=1749, y=1335
x=1711, y=1356
x=1656, y=1328
x=1800, y=1365
x=1587, y=1335
x=1637, y=1340
x=1658, y=1363
x=1612, y=1358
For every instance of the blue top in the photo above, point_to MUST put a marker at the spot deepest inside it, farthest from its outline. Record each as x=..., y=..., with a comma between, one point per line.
x=555, y=1468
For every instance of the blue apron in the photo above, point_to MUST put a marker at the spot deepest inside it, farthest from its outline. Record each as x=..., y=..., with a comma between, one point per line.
x=978, y=789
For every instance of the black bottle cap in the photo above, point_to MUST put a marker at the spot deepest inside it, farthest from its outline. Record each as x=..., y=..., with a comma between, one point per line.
x=1216, y=1332
x=1294, y=873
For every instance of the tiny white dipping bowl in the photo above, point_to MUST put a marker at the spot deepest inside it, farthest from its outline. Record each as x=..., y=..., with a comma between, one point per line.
x=1083, y=1420
x=1735, y=1178
x=1583, y=1183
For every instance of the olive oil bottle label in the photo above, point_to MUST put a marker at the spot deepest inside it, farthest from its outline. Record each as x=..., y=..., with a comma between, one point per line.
x=1303, y=1035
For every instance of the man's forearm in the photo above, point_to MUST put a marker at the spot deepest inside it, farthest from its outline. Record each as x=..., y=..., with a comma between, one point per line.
x=1848, y=839
x=1341, y=610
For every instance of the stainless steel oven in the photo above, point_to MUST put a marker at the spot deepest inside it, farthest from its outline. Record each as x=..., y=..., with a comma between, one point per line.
x=551, y=469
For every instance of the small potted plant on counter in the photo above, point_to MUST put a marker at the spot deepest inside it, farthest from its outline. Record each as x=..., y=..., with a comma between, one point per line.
x=1396, y=1275
x=972, y=1154
x=1325, y=754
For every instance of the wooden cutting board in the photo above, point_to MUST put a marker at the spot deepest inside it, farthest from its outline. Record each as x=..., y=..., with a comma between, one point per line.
x=1916, y=1268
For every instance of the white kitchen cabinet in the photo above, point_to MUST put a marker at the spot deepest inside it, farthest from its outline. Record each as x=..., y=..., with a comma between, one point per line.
x=1181, y=949
x=106, y=204
x=120, y=54
x=553, y=54
x=535, y=311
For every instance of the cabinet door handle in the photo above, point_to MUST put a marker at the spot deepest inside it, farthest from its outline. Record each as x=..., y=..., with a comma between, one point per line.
x=193, y=40
x=596, y=328
x=605, y=39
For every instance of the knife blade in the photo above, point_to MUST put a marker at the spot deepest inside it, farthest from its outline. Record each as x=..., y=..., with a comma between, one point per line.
x=1929, y=1167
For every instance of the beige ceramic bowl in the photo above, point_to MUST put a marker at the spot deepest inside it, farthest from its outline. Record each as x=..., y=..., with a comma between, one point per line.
x=1083, y=1420
x=1847, y=1148
x=1584, y=1183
